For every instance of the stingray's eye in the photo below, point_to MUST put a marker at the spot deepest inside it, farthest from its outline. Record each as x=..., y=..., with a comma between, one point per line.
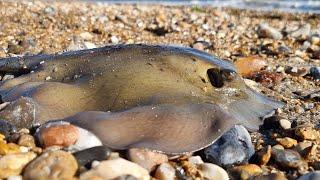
x=218, y=77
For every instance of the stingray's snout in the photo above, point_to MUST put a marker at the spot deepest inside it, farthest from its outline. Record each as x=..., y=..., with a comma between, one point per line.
x=65, y=135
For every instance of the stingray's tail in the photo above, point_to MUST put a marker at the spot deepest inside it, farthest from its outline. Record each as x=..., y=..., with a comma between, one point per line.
x=250, y=111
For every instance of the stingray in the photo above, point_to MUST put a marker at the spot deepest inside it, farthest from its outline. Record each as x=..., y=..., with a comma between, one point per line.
x=165, y=98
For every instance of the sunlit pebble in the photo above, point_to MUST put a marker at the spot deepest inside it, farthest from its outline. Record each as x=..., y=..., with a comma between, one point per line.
x=95, y=164
x=24, y=149
x=114, y=40
x=41, y=62
x=47, y=78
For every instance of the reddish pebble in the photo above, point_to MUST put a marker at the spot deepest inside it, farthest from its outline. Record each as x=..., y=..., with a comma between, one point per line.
x=248, y=65
x=267, y=79
x=61, y=135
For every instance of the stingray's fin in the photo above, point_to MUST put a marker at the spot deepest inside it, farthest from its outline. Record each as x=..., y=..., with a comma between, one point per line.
x=250, y=111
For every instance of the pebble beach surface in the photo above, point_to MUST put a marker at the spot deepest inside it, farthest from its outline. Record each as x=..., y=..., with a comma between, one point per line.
x=277, y=53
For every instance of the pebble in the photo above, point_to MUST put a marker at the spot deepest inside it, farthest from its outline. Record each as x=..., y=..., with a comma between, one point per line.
x=213, y=172
x=87, y=156
x=89, y=45
x=201, y=45
x=114, y=168
x=13, y=164
x=295, y=71
x=114, y=40
x=52, y=165
x=311, y=176
x=27, y=141
x=265, y=31
x=288, y=158
x=285, y=124
x=248, y=65
x=263, y=155
x=6, y=128
x=271, y=176
x=7, y=77
x=267, y=79
x=315, y=72
x=315, y=40
x=301, y=147
x=287, y=142
x=307, y=133
x=86, y=36
x=165, y=172
x=245, y=171
x=302, y=32
x=9, y=148
x=59, y=135
x=15, y=178
x=19, y=119
x=233, y=147
x=195, y=160
x=146, y=158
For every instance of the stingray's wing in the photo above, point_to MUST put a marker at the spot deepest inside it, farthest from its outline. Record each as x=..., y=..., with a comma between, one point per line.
x=165, y=128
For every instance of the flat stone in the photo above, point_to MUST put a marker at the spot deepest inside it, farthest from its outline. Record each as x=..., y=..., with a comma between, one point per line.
x=212, y=171
x=233, y=147
x=87, y=156
x=288, y=158
x=146, y=158
x=52, y=165
x=13, y=164
x=248, y=65
x=245, y=171
x=165, y=172
x=114, y=168
x=287, y=142
x=285, y=124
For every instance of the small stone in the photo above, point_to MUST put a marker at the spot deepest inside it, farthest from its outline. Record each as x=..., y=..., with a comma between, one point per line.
x=195, y=160
x=89, y=45
x=9, y=148
x=86, y=36
x=272, y=122
x=165, y=172
x=59, y=135
x=315, y=40
x=48, y=78
x=201, y=45
x=245, y=171
x=263, y=155
x=7, y=77
x=147, y=159
x=248, y=65
x=265, y=31
x=301, y=147
x=114, y=168
x=295, y=71
x=311, y=176
x=315, y=72
x=13, y=164
x=52, y=165
x=233, y=147
x=23, y=116
x=288, y=158
x=114, y=39
x=307, y=133
x=212, y=171
x=87, y=156
x=303, y=32
x=267, y=79
x=278, y=146
x=27, y=141
x=287, y=142
x=285, y=124
x=7, y=128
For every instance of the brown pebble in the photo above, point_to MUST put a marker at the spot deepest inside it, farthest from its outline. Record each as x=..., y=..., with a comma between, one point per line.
x=26, y=140
x=264, y=155
x=61, y=135
x=245, y=171
x=307, y=133
x=248, y=65
x=287, y=142
x=267, y=79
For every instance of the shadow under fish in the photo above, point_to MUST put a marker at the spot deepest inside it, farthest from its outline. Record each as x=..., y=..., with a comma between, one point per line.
x=164, y=98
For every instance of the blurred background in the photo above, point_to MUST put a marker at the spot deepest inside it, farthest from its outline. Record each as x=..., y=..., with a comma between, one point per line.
x=285, y=5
